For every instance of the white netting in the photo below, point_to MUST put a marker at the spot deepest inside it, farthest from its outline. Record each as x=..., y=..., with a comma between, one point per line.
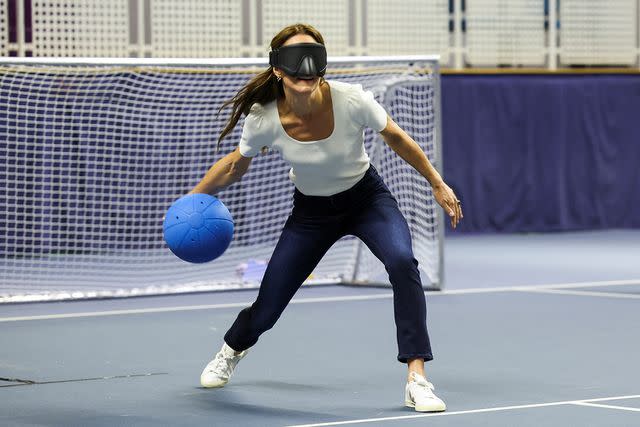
x=80, y=28
x=92, y=156
x=196, y=28
x=413, y=106
x=330, y=17
x=594, y=32
x=415, y=28
x=505, y=32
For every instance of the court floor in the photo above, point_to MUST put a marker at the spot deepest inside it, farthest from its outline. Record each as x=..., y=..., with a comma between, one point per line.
x=531, y=330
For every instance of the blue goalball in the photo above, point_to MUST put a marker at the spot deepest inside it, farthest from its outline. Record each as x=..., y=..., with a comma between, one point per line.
x=198, y=228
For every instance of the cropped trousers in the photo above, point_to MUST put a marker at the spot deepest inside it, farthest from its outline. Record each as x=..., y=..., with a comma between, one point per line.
x=368, y=211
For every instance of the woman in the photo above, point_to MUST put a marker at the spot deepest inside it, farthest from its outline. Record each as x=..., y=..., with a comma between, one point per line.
x=318, y=127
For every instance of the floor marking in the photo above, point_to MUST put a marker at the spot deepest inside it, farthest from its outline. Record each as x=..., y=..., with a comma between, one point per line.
x=470, y=411
x=467, y=291
x=597, y=405
x=187, y=308
x=604, y=399
x=589, y=284
x=19, y=382
x=604, y=283
x=584, y=293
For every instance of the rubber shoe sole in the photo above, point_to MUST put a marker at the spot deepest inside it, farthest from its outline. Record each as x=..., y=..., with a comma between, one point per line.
x=425, y=408
x=212, y=383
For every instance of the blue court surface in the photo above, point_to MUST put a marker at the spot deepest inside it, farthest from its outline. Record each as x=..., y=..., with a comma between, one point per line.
x=531, y=330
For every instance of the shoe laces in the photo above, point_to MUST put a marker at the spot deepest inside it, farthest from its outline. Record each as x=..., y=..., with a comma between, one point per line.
x=424, y=386
x=221, y=364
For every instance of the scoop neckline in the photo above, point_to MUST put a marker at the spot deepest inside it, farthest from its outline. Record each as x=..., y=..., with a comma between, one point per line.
x=333, y=112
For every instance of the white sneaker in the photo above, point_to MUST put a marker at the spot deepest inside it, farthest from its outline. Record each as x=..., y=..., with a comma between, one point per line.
x=418, y=394
x=219, y=370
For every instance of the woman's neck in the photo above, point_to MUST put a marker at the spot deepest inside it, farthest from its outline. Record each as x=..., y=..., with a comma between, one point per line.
x=305, y=105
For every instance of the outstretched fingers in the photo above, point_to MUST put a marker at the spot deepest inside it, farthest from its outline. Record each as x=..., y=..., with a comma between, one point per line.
x=454, y=208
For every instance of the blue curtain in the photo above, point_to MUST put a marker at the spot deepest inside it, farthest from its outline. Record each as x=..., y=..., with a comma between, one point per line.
x=530, y=153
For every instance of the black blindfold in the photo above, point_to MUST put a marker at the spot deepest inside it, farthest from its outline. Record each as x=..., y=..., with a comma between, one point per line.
x=300, y=59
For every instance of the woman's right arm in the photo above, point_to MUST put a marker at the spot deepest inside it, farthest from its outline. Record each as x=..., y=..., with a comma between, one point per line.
x=223, y=173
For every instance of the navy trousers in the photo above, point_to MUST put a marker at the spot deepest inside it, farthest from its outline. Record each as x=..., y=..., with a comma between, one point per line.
x=368, y=211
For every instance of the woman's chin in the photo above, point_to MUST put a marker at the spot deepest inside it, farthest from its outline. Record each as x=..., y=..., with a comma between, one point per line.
x=302, y=85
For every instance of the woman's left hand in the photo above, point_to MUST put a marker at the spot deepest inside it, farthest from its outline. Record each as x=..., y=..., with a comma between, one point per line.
x=447, y=199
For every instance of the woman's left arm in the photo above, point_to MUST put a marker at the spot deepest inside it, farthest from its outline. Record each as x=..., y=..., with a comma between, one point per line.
x=410, y=151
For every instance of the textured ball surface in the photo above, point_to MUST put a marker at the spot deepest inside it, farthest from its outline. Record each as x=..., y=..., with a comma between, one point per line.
x=198, y=228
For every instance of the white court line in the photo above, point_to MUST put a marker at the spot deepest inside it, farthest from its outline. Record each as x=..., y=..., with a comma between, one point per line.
x=186, y=308
x=584, y=293
x=468, y=291
x=596, y=405
x=603, y=283
x=594, y=284
x=470, y=411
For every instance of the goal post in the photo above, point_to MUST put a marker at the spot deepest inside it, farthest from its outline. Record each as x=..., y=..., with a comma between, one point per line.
x=94, y=150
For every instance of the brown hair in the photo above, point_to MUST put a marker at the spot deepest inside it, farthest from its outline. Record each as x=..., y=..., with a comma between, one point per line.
x=264, y=87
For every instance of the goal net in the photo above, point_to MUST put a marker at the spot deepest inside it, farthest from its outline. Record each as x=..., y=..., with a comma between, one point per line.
x=95, y=151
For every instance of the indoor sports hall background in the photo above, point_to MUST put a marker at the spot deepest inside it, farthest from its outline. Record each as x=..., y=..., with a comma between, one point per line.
x=529, y=109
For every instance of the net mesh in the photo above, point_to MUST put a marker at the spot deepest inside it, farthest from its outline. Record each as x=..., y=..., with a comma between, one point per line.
x=424, y=23
x=195, y=28
x=80, y=28
x=92, y=156
x=599, y=33
x=505, y=32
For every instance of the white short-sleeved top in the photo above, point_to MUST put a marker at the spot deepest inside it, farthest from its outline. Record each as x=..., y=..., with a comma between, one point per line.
x=327, y=166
